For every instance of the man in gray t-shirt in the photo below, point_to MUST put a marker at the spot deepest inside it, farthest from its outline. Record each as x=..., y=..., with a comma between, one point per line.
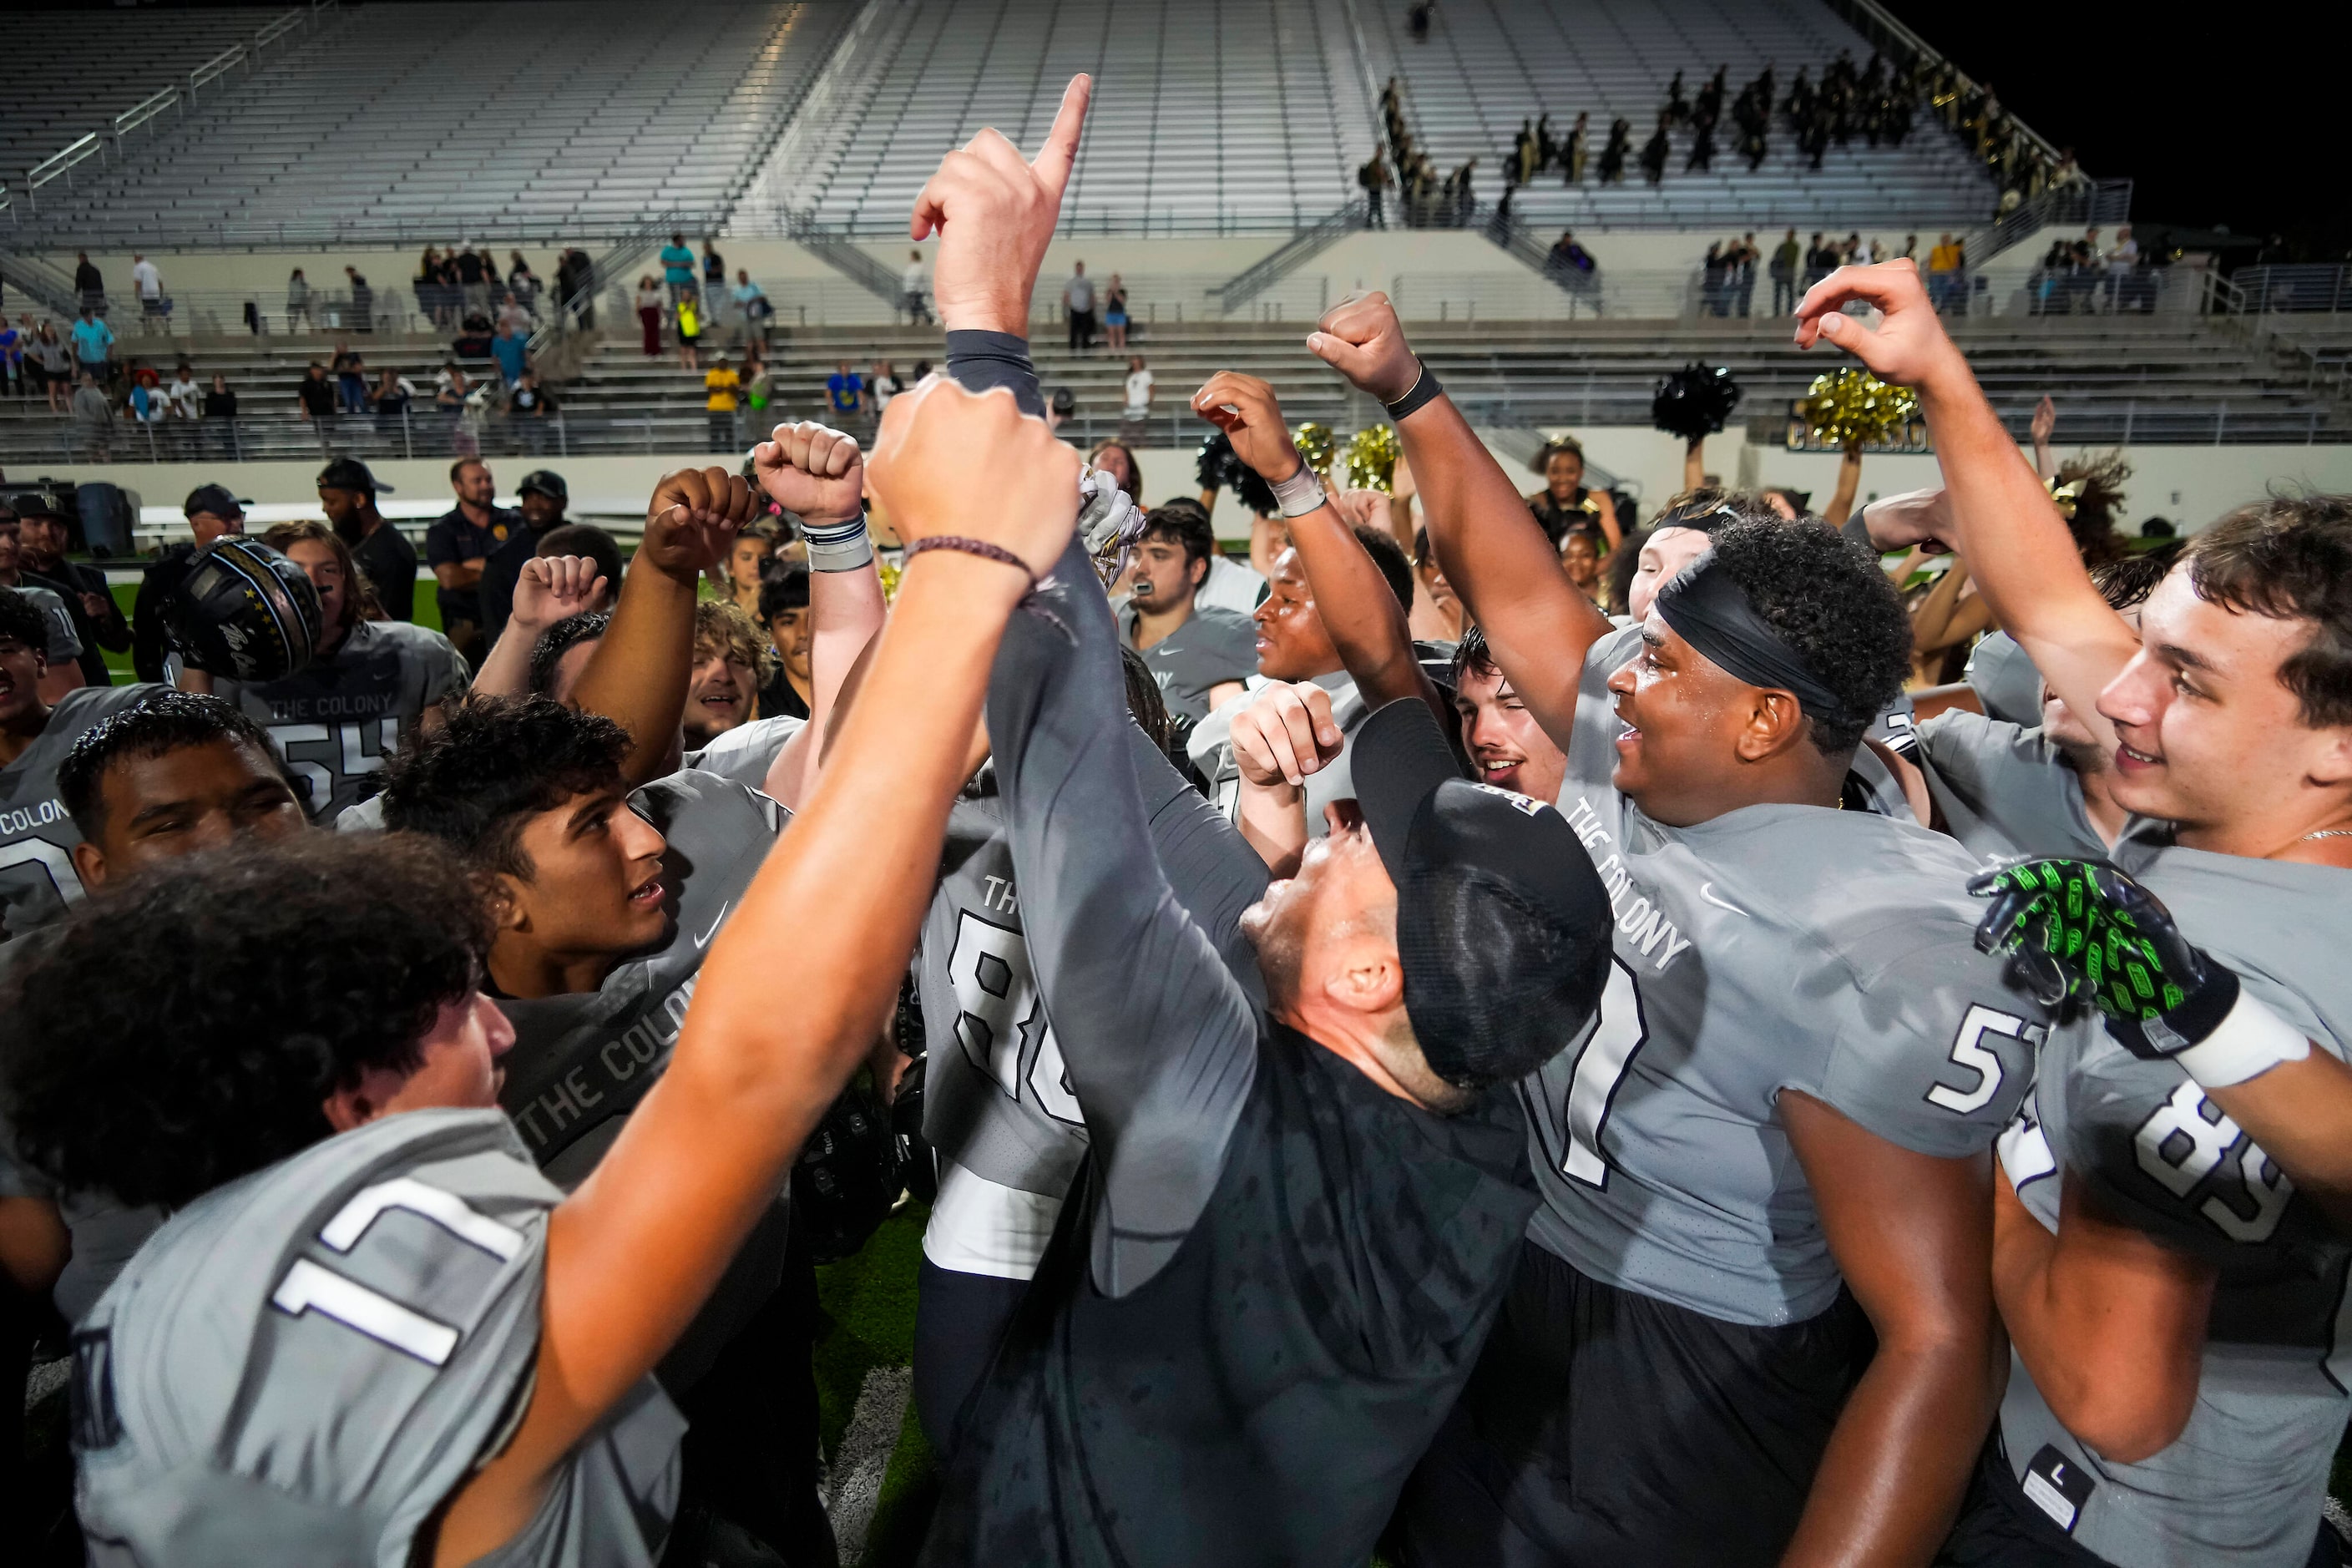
x=1199, y=657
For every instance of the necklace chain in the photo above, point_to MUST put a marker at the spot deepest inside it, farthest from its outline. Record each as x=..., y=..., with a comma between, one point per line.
x=2327, y=833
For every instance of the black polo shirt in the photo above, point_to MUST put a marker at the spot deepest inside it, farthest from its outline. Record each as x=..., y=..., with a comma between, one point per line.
x=453, y=539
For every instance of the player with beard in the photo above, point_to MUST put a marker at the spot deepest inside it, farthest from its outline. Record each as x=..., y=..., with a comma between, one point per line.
x=1199, y=656
x=435, y=1356
x=540, y=498
x=38, y=882
x=2166, y=1262
x=62, y=672
x=372, y=684
x=1753, y=1318
x=43, y=534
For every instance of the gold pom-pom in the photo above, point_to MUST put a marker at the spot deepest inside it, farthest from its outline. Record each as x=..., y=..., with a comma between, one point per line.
x=1316, y=445
x=2066, y=496
x=890, y=572
x=1850, y=408
x=1370, y=460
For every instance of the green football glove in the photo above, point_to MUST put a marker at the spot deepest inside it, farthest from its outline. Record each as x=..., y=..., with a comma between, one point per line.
x=2075, y=928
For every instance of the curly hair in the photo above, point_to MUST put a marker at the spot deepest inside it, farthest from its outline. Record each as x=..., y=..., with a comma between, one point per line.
x=560, y=639
x=2099, y=496
x=726, y=628
x=495, y=762
x=1827, y=599
x=245, y=1016
x=2290, y=557
x=163, y=721
x=21, y=622
x=1389, y=556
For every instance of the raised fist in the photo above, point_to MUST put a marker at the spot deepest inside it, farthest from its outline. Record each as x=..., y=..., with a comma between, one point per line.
x=1363, y=340
x=812, y=471
x=1907, y=348
x=556, y=587
x=1285, y=732
x=1245, y=408
x=691, y=521
x=995, y=213
x=952, y=461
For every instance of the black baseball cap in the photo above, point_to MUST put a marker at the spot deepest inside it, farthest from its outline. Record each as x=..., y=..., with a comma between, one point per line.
x=350, y=474
x=37, y=503
x=1503, y=926
x=215, y=500
x=547, y=482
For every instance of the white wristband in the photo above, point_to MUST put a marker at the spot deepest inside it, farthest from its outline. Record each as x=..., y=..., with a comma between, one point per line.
x=837, y=546
x=2251, y=1041
x=1299, y=494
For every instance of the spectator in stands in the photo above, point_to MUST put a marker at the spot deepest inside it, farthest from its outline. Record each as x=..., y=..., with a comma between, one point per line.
x=182, y=392
x=474, y=287
x=723, y=391
x=751, y=307
x=531, y=405
x=1115, y=314
x=688, y=312
x=522, y=283
x=12, y=356
x=2121, y=262
x=219, y=415
x=1785, y=257
x=882, y=384
x=351, y=380
x=649, y=315
x=1576, y=150
x=88, y=284
x=389, y=398
x=1944, y=272
x=347, y=493
x=315, y=394
x=1138, y=394
x=714, y=270
x=677, y=267
x=93, y=343
x=1613, y=155
x=363, y=301
x=1375, y=179
x=913, y=286
x=54, y=355
x=844, y=395
x=1078, y=301
x=1743, y=276
x=513, y=352
x=149, y=285
x=513, y=315
x=146, y=402
x=93, y=418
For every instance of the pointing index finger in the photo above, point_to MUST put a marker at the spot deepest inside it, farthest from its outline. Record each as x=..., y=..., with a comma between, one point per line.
x=1061, y=150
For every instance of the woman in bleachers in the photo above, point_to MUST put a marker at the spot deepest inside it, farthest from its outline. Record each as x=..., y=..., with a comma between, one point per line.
x=649, y=314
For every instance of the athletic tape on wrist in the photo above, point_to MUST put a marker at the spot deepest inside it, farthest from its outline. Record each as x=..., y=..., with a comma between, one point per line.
x=837, y=546
x=1299, y=494
x=2249, y=1042
x=1425, y=389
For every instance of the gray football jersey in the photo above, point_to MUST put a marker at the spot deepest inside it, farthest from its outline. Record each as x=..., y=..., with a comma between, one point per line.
x=582, y=1060
x=1210, y=749
x=997, y=1103
x=746, y=752
x=38, y=879
x=2005, y=680
x=1776, y=947
x=64, y=640
x=338, y=722
x=304, y=1363
x=2245, y=1481
x=2003, y=790
x=1210, y=649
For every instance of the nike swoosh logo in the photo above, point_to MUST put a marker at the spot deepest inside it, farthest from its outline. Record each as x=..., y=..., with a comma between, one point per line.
x=1707, y=891
x=704, y=940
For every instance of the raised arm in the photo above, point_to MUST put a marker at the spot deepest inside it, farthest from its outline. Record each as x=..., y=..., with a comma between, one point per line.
x=1367, y=624
x=1537, y=622
x=550, y=589
x=637, y=676
x=634, y=1252
x=818, y=473
x=2000, y=515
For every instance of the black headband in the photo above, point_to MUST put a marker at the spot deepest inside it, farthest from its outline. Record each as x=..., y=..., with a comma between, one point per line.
x=1711, y=611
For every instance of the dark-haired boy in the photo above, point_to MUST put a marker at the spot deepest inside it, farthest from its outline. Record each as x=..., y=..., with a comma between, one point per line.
x=1754, y=1313
x=2169, y=1251
x=1201, y=657
x=38, y=879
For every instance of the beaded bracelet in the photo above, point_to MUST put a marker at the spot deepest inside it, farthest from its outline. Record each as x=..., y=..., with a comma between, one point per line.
x=980, y=547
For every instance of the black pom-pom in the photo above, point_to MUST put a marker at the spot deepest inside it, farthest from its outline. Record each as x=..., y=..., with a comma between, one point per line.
x=1221, y=468
x=1694, y=400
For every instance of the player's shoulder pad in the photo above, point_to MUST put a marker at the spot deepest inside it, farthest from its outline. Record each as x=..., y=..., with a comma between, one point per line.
x=746, y=752
x=316, y=1354
x=698, y=806
x=86, y=706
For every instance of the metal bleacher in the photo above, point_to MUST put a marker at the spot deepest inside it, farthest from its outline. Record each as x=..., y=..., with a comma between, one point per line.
x=435, y=123
x=1486, y=65
x=1208, y=116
